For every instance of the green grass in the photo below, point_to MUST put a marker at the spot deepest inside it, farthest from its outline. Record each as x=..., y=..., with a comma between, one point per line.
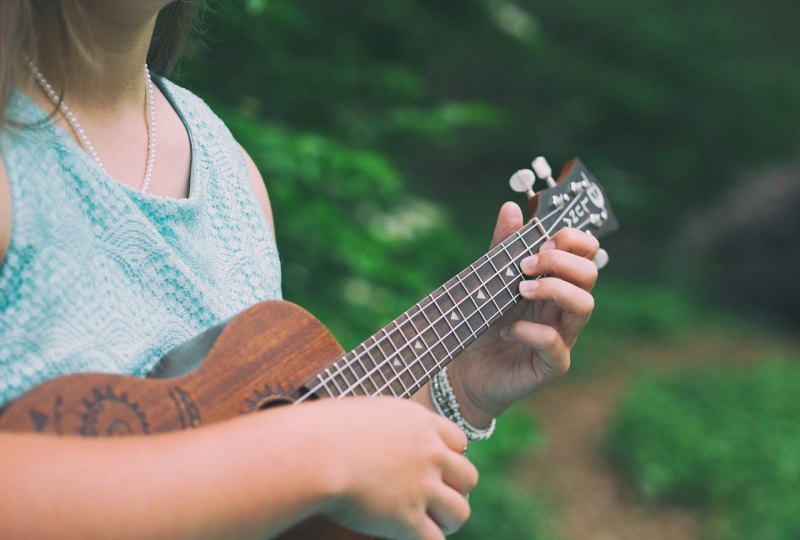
x=725, y=441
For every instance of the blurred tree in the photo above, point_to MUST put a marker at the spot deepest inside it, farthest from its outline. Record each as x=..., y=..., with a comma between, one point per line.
x=667, y=102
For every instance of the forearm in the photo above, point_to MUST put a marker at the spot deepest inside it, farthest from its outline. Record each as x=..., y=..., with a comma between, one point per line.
x=249, y=477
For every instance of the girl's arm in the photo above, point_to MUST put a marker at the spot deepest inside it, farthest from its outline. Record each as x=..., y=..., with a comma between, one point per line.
x=378, y=465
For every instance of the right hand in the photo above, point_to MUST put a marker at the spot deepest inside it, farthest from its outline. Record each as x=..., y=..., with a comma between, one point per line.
x=398, y=469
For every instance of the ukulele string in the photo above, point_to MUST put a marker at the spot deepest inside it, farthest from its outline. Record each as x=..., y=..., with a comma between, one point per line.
x=398, y=326
x=357, y=356
x=487, y=323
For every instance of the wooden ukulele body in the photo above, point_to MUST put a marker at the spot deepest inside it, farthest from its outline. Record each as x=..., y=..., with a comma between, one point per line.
x=261, y=359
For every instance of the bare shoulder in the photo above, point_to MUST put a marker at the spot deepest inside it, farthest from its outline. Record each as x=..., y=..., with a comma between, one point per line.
x=5, y=212
x=259, y=187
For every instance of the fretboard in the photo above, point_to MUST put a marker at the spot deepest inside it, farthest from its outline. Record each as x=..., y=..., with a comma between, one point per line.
x=410, y=350
x=406, y=353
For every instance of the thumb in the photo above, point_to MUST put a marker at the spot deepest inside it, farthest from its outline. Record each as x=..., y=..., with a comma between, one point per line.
x=508, y=221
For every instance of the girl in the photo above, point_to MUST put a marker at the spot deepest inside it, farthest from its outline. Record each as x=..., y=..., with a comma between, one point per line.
x=130, y=220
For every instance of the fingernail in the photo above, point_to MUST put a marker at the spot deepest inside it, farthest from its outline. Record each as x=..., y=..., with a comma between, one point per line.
x=548, y=245
x=528, y=264
x=528, y=286
x=504, y=332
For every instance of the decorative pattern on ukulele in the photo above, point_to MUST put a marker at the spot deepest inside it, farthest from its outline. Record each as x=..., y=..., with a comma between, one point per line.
x=109, y=415
x=188, y=414
x=265, y=395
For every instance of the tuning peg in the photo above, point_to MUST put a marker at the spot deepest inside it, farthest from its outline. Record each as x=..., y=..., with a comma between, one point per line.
x=600, y=258
x=543, y=171
x=522, y=181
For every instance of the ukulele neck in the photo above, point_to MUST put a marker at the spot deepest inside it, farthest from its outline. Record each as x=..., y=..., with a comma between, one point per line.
x=410, y=350
x=405, y=354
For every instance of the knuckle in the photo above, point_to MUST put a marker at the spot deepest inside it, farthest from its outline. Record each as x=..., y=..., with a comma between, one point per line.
x=594, y=273
x=588, y=307
x=462, y=513
x=474, y=477
x=551, y=338
x=562, y=367
x=555, y=262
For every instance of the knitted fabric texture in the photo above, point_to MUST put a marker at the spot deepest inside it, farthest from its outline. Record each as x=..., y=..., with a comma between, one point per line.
x=102, y=278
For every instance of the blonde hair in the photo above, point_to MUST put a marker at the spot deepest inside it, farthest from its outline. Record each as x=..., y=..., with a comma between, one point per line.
x=21, y=22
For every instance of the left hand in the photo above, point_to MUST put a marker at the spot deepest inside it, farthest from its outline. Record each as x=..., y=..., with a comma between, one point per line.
x=532, y=342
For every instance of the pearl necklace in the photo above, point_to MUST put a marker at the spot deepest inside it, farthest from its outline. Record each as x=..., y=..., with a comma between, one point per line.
x=84, y=139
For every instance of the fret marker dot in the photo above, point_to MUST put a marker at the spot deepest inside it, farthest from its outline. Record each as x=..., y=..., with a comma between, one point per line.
x=510, y=272
x=481, y=296
x=397, y=362
x=418, y=344
x=454, y=317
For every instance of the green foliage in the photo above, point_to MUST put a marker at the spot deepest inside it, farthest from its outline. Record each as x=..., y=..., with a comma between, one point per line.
x=725, y=441
x=501, y=510
x=667, y=102
x=647, y=309
x=352, y=241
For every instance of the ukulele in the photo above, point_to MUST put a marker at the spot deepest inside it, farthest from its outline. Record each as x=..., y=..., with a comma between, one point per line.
x=238, y=367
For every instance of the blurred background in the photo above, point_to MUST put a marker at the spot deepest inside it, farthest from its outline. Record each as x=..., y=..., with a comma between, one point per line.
x=386, y=133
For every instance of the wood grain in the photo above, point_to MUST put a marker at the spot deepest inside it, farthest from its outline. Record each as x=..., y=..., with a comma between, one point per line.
x=261, y=359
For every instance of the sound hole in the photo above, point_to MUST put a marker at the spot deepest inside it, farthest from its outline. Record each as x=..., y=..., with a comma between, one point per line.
x=273, y=402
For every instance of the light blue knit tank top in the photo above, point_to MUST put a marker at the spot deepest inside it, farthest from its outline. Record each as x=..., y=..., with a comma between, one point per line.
x=102, y=278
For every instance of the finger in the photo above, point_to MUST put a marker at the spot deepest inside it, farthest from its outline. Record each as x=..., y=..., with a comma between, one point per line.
x=574, y=241
x=460, y=474
x=452, y=435
x=508, y=221
x=449, y=509
x=563, y=265
x=429, y=530
x=545, y=340
x=567, y=296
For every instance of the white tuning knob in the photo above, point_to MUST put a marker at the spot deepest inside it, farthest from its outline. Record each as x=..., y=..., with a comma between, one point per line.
x=543, y=171
x=600, y=258
x=522, y=181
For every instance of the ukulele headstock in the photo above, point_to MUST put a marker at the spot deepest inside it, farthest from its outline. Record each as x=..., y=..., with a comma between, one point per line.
x=574, y=199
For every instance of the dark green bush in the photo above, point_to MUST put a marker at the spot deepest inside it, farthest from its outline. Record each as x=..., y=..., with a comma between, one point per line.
x=726, y=441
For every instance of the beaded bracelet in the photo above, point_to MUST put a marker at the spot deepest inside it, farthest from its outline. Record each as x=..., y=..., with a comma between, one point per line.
x=446, y=404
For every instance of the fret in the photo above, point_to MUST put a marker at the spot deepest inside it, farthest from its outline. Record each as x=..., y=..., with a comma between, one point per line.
x=437, y=318
x=322, y=388
x=462, y=332
x=493, y=281
x=449, y=338
x=503, y=259
x=530, y=237
x=466, y=305
x=436, y=344
x=332, y=379
x=518, y=247
x=417, y=348
x=360, y=371
x=349, y=375
x=453, y=343
x=395, y=366
x=472, y=283
x=345, y=373
x=403, y=353
x=476, y=322
x=378, y=375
